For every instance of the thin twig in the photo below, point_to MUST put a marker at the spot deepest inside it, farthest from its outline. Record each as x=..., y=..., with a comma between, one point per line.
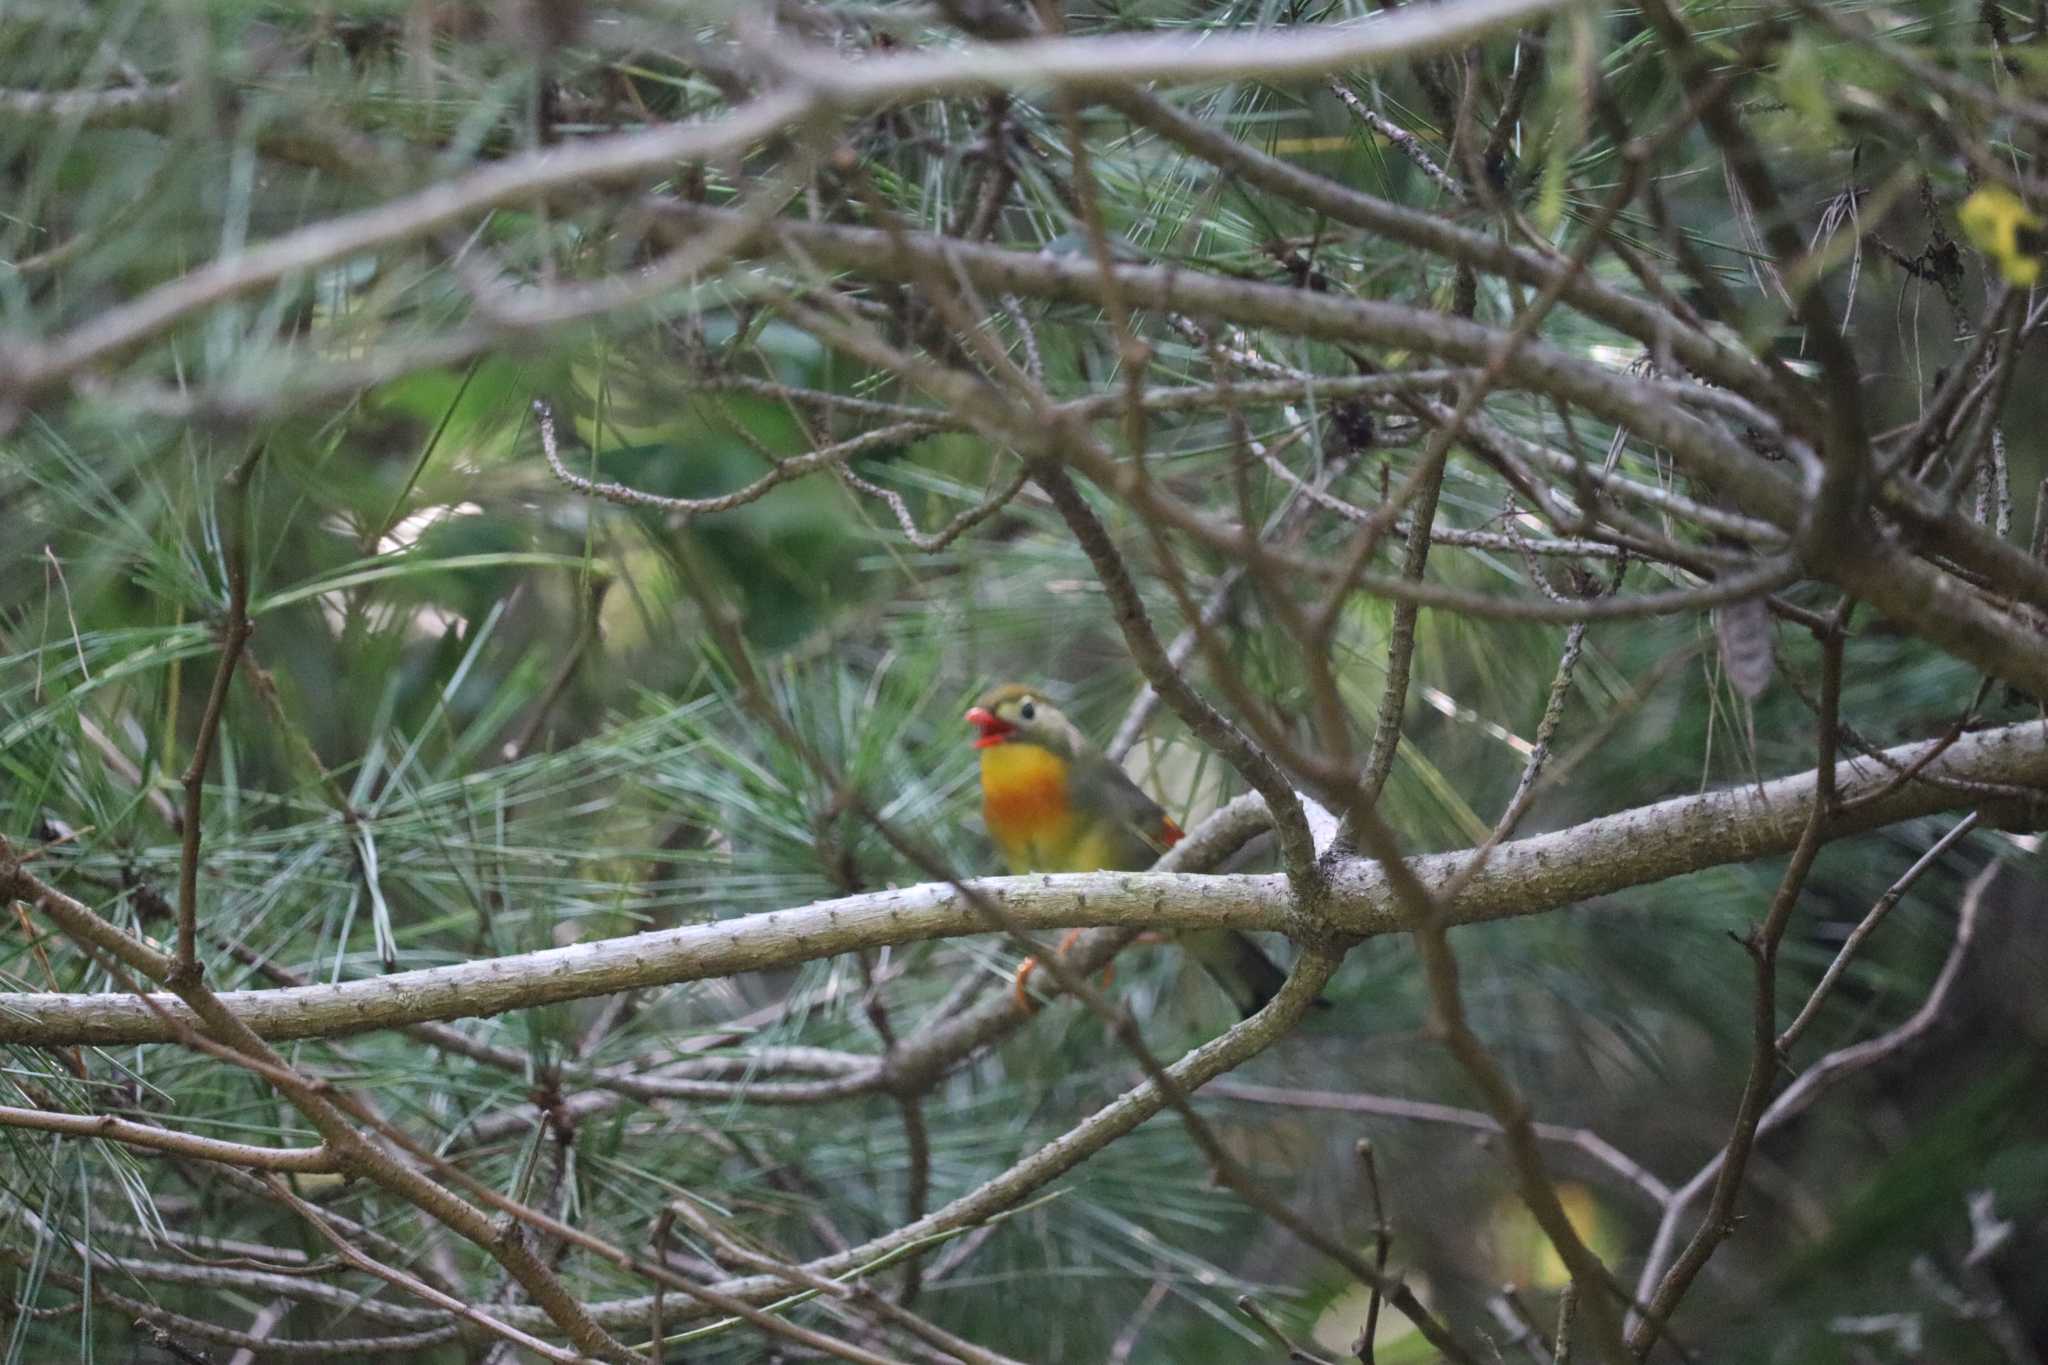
x=412, y=1284
x=1408, y=144
x=115, y=1129
x=1762, y=944
x=234, y=635
x=1867, y=925
x=1825, y=1074
x=1296, y=1352
x=1382, y=1243
x=1424, y=1111
x=1567, y=1311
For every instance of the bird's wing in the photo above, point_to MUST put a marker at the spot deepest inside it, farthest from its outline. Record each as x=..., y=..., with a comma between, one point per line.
x=1142, y=832
x=1102, y=789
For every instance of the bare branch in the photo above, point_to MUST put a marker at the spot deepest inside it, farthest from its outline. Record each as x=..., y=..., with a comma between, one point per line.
x=1524, y=877
x=1824, y=1075
x=121, y=107
x=115, y=1129
x=1867, y=925
x=234, y=635
x=1424, y=1111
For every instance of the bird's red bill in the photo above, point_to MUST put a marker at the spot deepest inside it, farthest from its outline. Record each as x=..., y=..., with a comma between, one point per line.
x=994, y=729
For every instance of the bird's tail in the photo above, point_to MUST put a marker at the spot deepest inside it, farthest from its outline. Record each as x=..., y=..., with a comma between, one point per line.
x=1239, y=966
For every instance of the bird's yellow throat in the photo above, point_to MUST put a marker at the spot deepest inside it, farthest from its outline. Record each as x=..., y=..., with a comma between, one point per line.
x=1024, y=798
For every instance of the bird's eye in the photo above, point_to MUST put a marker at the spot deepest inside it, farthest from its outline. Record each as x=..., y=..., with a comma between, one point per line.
x=1028, y=711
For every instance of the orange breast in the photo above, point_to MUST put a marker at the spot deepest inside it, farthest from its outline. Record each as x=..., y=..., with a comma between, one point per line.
x=1024, y=800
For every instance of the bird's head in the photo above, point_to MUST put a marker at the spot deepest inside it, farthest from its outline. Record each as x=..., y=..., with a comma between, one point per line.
x=1019, y=714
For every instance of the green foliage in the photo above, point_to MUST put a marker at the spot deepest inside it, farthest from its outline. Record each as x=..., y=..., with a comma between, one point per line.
x=483, y=714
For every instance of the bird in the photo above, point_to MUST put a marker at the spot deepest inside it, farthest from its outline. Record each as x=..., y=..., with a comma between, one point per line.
x=1054, y=802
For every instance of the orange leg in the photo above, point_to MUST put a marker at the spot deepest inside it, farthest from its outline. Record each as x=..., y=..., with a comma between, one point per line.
x=1021, y=981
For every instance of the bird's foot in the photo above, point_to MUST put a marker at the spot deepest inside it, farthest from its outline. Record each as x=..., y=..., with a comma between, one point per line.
x=1019, y=984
